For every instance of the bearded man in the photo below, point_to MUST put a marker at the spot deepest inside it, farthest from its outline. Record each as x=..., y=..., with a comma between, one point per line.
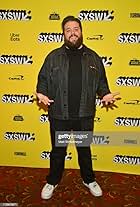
x=68, y=82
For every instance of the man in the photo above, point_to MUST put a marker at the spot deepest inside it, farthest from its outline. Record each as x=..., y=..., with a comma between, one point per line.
x=68, y=83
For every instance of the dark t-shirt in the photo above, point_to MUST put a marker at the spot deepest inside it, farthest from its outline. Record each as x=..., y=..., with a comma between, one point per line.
x=74, y=82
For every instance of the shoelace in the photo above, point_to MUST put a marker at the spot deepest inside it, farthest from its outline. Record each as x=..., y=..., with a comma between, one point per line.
x=94, y=185
x=49, y=187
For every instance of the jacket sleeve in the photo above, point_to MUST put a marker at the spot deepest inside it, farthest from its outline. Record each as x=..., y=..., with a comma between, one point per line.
x=103, y=87
x=43, y=78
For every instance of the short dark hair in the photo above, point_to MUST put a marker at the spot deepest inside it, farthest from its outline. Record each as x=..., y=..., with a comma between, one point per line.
x=71, y=18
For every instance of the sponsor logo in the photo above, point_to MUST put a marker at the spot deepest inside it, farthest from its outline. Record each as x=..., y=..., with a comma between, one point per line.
x=107, y=61
x=17, y=99
x=54, y=16
x=16, y=59
x=94, y=157
x=129, y=38
x=135, y=15
x=19, y=15
x=44, y=118
x=134, y=62
x=127, y=121
x=17, y=77
x=125, y=159
x=130, y=141
x=18, y=118
x=46, y=155
x=100, y=139
x=128, y=81
x=19, y=136
x=98, y=102
x=20, y=153
x=50, y=37
x=96, y=37
x=14, y=37
x=132, y=102
x=96, y=15
x=97, y=119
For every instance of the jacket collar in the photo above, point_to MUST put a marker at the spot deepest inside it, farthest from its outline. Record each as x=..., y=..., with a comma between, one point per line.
x=86, y=50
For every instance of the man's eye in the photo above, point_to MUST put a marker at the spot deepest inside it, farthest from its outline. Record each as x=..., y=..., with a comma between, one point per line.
x=68, y=30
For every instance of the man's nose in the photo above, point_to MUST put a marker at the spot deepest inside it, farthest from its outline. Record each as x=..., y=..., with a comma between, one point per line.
x=72, y=32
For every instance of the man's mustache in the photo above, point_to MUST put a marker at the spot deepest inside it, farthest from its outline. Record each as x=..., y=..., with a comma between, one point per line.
x=73, y=36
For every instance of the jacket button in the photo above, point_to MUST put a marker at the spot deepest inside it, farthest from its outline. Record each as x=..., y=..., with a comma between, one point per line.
x=65, y=105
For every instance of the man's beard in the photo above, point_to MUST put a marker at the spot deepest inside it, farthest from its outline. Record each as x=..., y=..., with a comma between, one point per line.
x=74, y=45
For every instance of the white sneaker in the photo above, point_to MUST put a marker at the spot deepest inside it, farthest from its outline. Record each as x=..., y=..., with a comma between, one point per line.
x=47, y=191
x=94, y=188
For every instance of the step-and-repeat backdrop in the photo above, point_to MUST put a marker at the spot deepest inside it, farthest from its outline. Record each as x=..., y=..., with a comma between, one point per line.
x=29, y=31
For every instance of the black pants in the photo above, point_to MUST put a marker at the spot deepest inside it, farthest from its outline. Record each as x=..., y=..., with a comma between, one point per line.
x=57, y=156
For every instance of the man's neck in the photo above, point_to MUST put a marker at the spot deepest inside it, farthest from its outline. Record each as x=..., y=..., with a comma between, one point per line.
x=75, y=48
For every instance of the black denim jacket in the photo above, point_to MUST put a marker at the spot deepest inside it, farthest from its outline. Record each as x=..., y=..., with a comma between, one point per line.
x=53, y=82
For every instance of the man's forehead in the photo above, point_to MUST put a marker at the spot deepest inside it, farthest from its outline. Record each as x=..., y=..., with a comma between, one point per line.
x=71, y=23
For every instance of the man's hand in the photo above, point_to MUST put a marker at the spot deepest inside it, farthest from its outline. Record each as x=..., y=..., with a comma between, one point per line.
x=110, y=98
x=43, y=99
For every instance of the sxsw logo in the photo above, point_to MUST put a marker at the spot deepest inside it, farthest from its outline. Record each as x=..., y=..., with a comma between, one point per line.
x=17, y=99
x=96, y=15
x=127, y=121
x=129, y=38
x=44, y=118
x=16, y=59
x=125, y=159
x=46, y=155
x=107, y=61
x=100, y=139
x=50, y=37
x=128, y=81
x=19, y=15
x=19, y=136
